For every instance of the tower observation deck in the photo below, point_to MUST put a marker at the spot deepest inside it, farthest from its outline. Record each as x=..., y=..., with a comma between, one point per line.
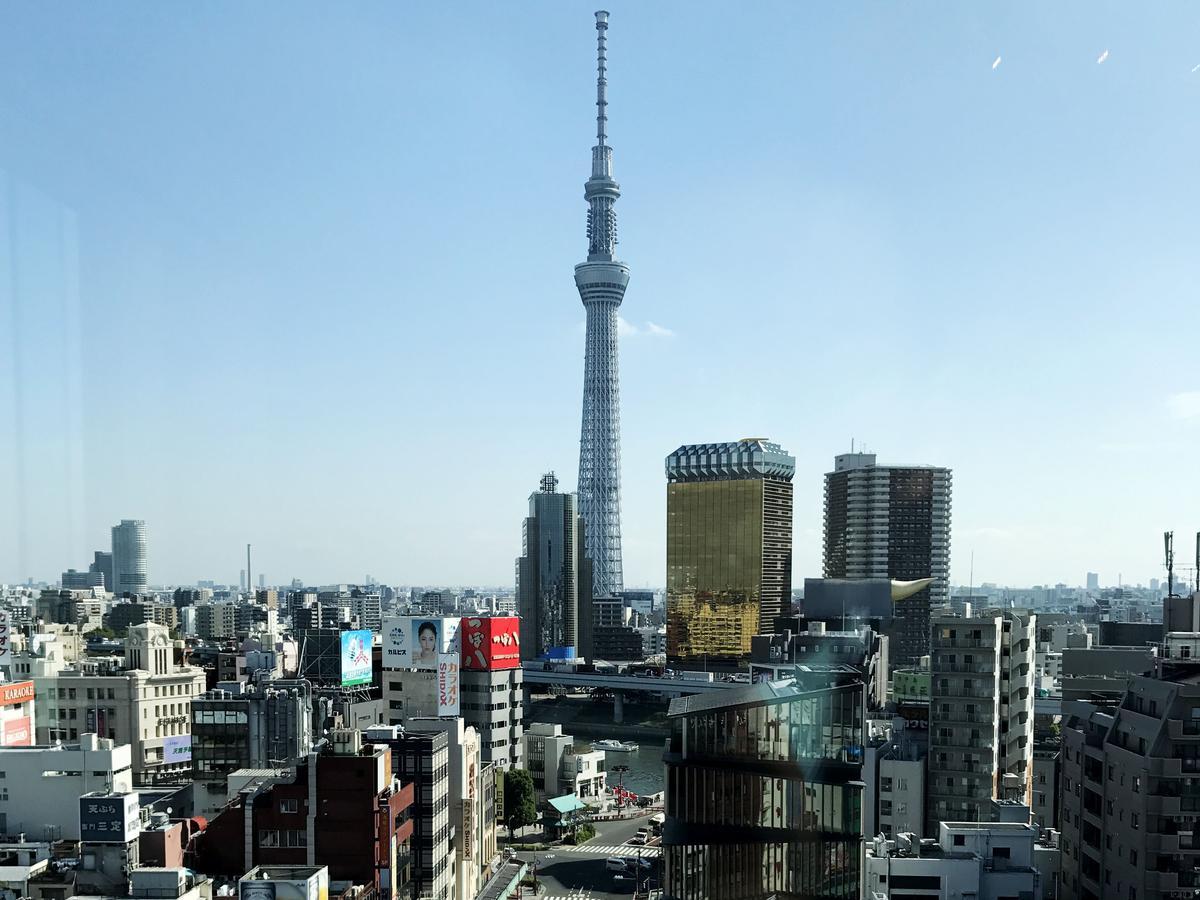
x=601, y=282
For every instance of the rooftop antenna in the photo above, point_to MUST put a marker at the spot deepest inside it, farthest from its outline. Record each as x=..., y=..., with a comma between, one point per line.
x=1169, y=548
x=971, y=588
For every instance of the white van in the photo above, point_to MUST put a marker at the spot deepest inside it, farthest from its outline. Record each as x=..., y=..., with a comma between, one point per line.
x=615, y=864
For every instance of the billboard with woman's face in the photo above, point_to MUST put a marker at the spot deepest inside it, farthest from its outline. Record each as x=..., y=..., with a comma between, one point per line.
x=416, y=642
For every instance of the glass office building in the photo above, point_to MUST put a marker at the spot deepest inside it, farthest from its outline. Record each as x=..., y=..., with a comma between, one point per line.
x=764, y=793
x=729, y=547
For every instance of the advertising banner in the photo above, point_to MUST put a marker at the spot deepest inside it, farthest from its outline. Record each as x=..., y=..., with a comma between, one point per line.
x=415, y=642
x=96, y=721
x=113, y=819
x=397, y=642
x=177, y=749
x=315, y=887
x=447, y=676
x=356, y=657
x=5, y=646
x=491, y=643
x=16, y=692
x=17, y=732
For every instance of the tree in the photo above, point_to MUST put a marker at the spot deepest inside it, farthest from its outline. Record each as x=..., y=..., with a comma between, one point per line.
x=519, y=806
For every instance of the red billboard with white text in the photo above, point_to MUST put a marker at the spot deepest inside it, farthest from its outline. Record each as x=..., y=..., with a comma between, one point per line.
x=17, y=732
x=16, y=692
x=491, y=642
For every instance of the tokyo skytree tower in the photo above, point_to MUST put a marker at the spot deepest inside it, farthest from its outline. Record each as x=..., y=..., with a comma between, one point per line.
x=601, y=282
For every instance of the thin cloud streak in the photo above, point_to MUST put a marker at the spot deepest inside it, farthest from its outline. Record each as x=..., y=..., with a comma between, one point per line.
x=625, y=328
x=1184, y=405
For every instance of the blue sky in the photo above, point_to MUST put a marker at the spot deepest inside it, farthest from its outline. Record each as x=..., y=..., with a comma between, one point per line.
x=301, y=274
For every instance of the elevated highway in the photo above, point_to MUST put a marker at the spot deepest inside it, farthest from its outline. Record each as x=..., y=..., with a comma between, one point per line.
x=535, y=674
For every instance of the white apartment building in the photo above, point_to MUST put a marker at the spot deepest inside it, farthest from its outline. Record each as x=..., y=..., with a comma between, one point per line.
x=143, y=700
x=544, y=746
x=40, y=786
x=557, y=769
x=894, y=780
x=980, y=860
x=583, y=775
x=980, y=713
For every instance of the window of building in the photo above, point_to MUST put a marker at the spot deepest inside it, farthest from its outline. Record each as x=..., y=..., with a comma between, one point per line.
x=289, y=806
x=1137, y=784
x=960, y=840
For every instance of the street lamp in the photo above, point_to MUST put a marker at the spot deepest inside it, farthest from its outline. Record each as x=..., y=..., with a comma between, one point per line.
x=620, y=770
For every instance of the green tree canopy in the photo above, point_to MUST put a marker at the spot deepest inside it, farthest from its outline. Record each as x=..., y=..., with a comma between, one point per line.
x=519, y=806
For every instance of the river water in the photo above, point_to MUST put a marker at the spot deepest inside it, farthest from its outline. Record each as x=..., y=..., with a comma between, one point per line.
x=645, y=775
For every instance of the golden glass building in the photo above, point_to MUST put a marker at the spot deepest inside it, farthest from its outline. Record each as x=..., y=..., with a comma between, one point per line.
x=729, y=547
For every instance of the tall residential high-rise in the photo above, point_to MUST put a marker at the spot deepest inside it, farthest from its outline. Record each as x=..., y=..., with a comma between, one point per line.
x=729, y=546
x=891, y=522
x=1093, y=581
x=131, y=569
x=601, y=282
x=981, y=705
x=554, y=575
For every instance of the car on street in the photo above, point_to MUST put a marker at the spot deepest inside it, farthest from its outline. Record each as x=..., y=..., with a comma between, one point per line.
x=616, y=864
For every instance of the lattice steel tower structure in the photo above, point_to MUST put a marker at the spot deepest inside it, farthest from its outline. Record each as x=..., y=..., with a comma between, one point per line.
x=601, y=281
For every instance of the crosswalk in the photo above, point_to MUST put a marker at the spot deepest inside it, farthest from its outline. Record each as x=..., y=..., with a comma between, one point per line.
x=611, y=849
x=576, y=894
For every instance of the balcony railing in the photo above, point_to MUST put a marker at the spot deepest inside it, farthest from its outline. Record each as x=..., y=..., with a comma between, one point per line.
x=963, y=668
x=960, y=642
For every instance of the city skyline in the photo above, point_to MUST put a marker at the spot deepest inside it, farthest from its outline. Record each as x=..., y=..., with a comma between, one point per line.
x=1028, y=238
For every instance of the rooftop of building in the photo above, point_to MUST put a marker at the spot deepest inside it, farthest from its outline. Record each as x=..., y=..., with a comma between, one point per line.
x=846, y=462
x=746, y=458
x=282, y=873
x=754, y=694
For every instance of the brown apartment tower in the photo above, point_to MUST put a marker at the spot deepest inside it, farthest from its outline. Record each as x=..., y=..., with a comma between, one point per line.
x=891, y=522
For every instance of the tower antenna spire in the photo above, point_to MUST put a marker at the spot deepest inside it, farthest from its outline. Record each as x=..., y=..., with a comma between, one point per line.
x=601, y=81
x=601, y=281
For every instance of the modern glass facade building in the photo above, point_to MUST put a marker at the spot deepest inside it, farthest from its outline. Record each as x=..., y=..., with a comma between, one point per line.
x=554, y=576
x=764, y=793
x=729, y=547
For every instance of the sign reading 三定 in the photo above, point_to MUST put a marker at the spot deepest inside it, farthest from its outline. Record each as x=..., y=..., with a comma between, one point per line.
x=109, y=819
